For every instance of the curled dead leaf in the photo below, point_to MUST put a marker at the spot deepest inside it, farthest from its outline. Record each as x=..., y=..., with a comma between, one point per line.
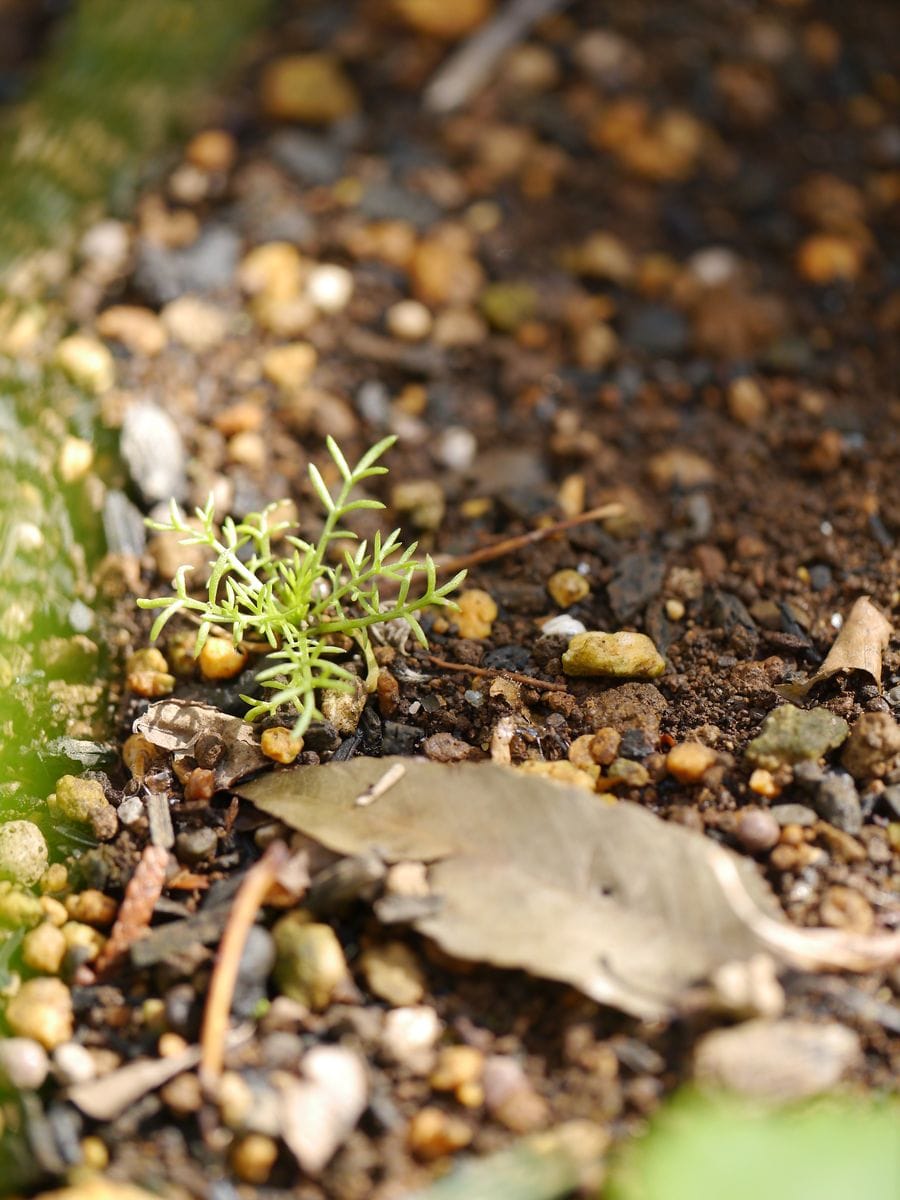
x=858, y=647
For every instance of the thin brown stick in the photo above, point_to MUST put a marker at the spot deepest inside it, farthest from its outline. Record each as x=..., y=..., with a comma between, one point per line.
x=448, y=566
x=247, y=903
x=541, y=685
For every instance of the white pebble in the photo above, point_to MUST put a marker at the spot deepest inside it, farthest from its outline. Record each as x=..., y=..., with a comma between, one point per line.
x=410, y=1035
x=456, y=448
x=131, y=811
x=73, y=1064
x=563, y=626
x=714, y=266
x=408, y=320
x=330, y=287
x=105, y=246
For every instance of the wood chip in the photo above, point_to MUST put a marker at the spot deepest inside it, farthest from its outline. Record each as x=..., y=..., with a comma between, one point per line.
x=160, y=818
x=136, y=910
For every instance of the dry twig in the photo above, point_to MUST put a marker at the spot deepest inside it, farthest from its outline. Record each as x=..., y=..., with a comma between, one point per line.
x=250, y=897
x=449, y=566
x=540, y=685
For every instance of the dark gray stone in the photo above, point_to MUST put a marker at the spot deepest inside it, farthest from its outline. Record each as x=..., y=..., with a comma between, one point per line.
x=836, y=800
x=163, y=274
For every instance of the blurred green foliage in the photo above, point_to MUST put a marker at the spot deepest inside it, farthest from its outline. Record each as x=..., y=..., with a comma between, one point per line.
x=718, y=1148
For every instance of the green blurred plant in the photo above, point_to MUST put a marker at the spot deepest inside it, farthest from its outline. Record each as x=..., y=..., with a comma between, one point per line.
x=300, y=603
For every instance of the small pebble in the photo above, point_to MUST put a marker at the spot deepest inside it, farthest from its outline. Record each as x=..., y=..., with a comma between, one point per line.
x=442, y=274
x=757, y=830
x=777, y=1060
x=86, y=941
x=444, y=747
x=763, y=783
x=836, y=800
x=688, y=762
x=182, y=1095
x=23, y=852
x=747, y=402
x=73, y=1063
x=131, y=811
x=311, y=88
x=220, y=659
x=80, y=801
x=138, y=329
x=435, y=18
x=825, y=258
x=289, y=367
x=604, y=746
x=310, y=963
x=873, y=747
x=92, y=907
x=195, y=324
x=477, y=613
x=616, y=655
x=457, y=1067
x=95, y=1157
x=845, y=908
x=23, y=1063
x=76, y=457
x=253, y=1156
x=627, y=772
x=434, y=1134
x=421, y=501
x=200, y=786
x=42, y=1010
x=393, y=973
x=330, y=287
x=793, y=814
x=408, y=320
x=87, y=362
x=567, y=587
x=562, y=626
x=510, y=1096
x=213, y=150
x=193, y=846
x=409, y=1037
x=154, y=453
x=279, y=744
x=561, y=771
x=456, y=447
x=44, y=948
x=344, y=709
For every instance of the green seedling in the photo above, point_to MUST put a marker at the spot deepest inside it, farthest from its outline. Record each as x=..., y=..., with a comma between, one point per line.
x=301, y=604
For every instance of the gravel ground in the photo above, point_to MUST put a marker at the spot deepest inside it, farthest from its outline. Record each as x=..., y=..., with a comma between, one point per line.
x=652, y=264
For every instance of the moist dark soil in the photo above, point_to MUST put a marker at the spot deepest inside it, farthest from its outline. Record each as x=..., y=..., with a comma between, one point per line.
x=723, y=365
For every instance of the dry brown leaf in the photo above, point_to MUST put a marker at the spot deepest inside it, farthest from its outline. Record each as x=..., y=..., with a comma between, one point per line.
x=858, y=647
x=176, y=725
x=534, y=875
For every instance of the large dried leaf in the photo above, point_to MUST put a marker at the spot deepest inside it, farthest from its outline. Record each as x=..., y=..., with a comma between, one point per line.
x=533, y=875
